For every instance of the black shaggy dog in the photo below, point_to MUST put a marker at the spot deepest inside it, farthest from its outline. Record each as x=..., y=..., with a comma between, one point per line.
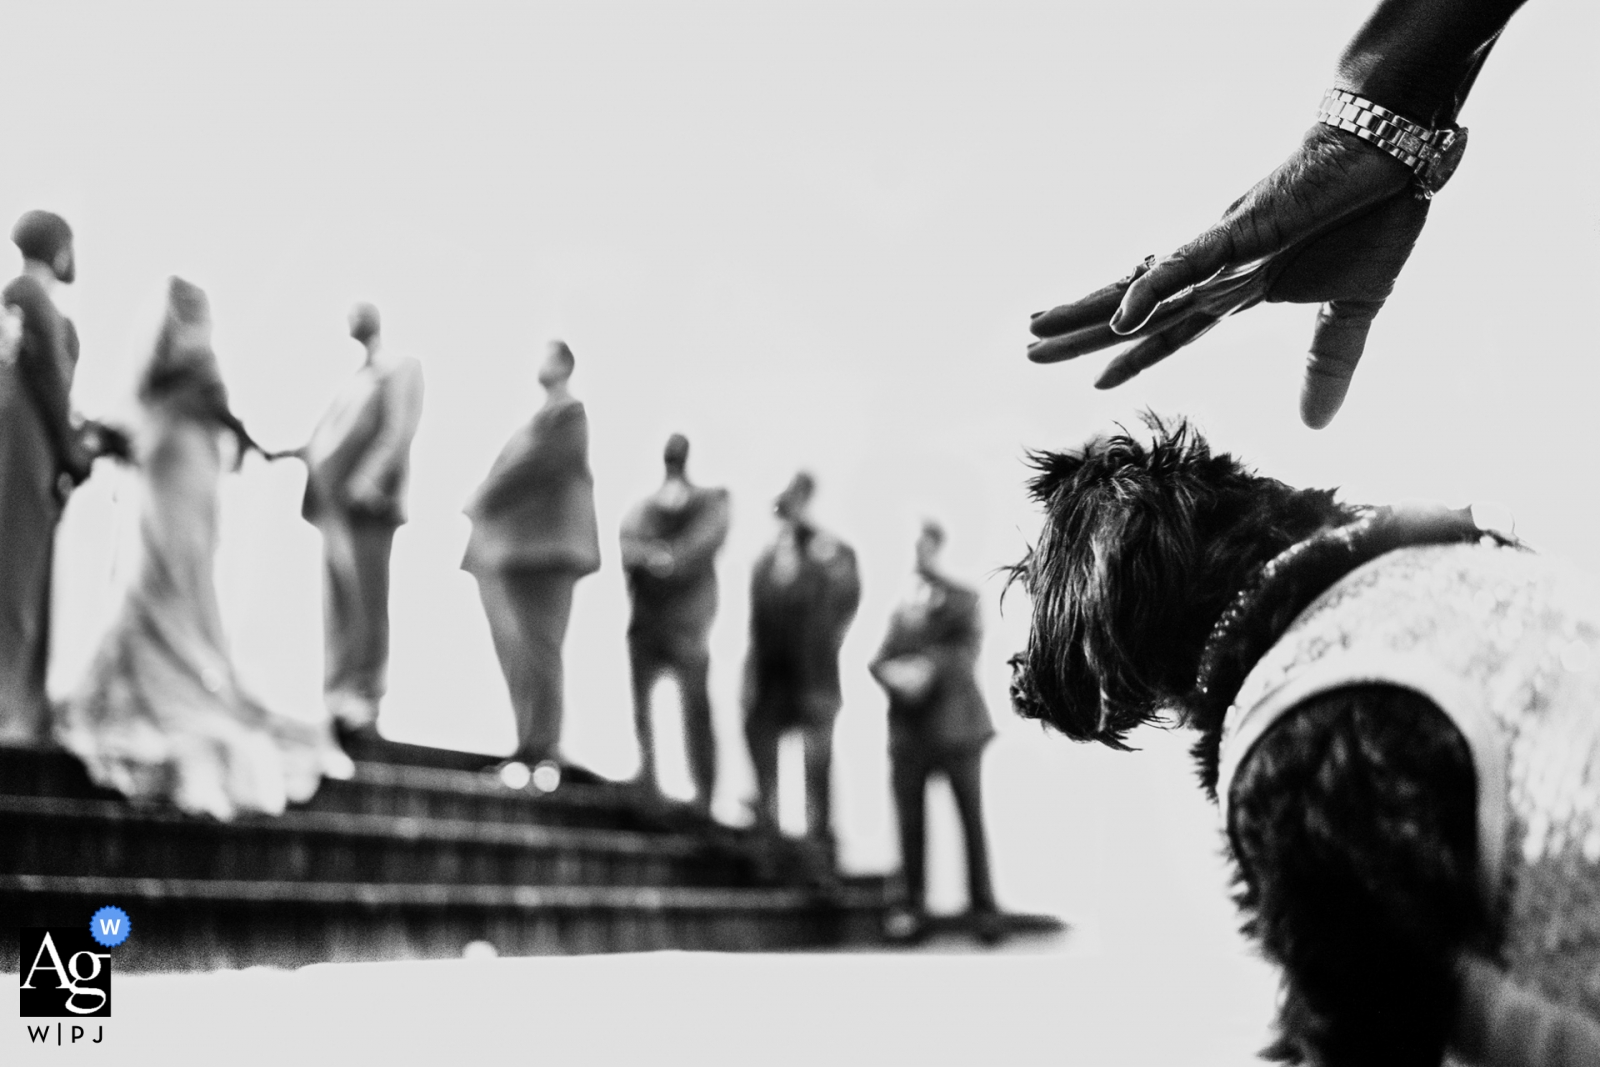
x=1159, y=579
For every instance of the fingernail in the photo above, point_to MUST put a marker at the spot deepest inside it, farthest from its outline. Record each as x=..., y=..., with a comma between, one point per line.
x=1036, y=314
x=1116, y=320
x=1108, y=380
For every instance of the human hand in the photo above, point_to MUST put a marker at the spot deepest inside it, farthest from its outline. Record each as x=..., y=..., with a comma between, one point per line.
x=102, y=439
x=1332, y=225
x=10, y=334
x=365, y=494
x=659, y=562
x=908, y=676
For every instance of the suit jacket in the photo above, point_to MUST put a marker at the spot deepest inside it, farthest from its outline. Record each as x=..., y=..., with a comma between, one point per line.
x=803, y=595
x=677, y=608
x=535, y=511
x=365, y=437
x=37, y=438
x=944, y=629
x=37, y=444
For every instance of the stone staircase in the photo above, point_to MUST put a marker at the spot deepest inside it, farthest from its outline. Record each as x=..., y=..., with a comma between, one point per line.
x=409, y=862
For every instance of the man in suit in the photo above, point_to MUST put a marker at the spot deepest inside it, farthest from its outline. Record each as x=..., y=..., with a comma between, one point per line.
x=357, y=462
x=534, y=535
x=938, y=723
x=670, y=542
x=803, y=595
x=44, y=453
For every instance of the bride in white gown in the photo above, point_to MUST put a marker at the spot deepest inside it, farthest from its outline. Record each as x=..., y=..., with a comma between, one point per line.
x=161, y=715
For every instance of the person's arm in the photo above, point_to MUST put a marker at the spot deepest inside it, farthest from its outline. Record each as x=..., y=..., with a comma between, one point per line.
x=1333, y=225
x=403, y=412
x=894, y=646
x=39, y=356
x=246, y=443
x=1419, y=58
x=640, y=550
x=700, y=540
x=845, y=586
x=956, y=649
x=902, y=666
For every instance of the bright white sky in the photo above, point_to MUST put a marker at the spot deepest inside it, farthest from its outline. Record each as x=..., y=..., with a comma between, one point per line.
x=804, y=235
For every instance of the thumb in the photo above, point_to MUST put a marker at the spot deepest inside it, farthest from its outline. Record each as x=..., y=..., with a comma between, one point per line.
x=1336, y=346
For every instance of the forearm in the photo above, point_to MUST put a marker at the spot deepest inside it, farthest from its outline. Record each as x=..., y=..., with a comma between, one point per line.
x=386, y=453
x=699, y=544
x=392, y=443
x=50, y=399
x=953, y=658
x=230, y=422
x=637, y=551
x=1420, y=57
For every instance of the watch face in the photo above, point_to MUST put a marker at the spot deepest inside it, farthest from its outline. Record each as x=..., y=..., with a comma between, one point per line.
x=1455, y=143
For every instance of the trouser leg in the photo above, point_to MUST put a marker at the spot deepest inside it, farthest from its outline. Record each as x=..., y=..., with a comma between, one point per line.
x=374, y=543
x=544, y=601
x=909, y=782
x=699, y=743
x=819, y=781
x=506, y=631
x=528, y=612
x=964, y=772
x=762, y=738
x=645, y=670
x=356, y=618
x=26, y=557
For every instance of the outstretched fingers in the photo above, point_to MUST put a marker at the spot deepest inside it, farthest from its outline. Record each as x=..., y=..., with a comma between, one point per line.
x=1093, y=310
x=1072, y=345
x=1153, y=350
x=1093, y=338
x=1337, y=342
x=1200, y=259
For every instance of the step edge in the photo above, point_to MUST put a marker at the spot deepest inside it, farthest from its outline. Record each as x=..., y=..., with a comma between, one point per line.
x=567, y=898
x=391, y=827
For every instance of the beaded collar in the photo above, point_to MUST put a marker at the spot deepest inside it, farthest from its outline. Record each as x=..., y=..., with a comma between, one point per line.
x=1286, y=585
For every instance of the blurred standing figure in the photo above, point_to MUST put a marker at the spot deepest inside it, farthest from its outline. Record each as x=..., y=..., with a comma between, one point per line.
x=42, y=455
x=938, y=723
x=357, y=462
x=669, y=549
x=803, y=596
x=161, y=713
x=533, y=536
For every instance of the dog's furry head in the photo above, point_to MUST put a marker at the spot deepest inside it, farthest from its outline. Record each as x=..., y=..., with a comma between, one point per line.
x=1144, y=545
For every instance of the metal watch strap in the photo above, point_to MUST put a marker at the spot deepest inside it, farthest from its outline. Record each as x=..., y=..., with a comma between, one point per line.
x=1421, y=149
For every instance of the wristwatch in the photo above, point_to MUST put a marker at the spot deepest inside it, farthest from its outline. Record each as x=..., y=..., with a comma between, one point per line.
x=1432, y=155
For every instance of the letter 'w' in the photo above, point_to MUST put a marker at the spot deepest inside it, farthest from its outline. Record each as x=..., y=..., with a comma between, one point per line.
x=40, y=1034
x=110, y=926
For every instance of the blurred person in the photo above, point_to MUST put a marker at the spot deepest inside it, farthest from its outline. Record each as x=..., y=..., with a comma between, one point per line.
x=534, y=534
x=357, y=463
x=44, y=453
x=1333, y=225
x=803, y=595
x=938, y=724
x=161, y=713
x=670, y=542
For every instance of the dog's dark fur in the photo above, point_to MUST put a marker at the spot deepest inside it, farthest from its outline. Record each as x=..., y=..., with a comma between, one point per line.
x=1354, y=827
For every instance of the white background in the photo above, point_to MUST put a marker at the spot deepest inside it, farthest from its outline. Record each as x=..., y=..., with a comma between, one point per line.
x=805, y=236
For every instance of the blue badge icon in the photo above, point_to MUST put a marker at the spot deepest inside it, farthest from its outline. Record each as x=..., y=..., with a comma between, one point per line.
x=110, y=926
